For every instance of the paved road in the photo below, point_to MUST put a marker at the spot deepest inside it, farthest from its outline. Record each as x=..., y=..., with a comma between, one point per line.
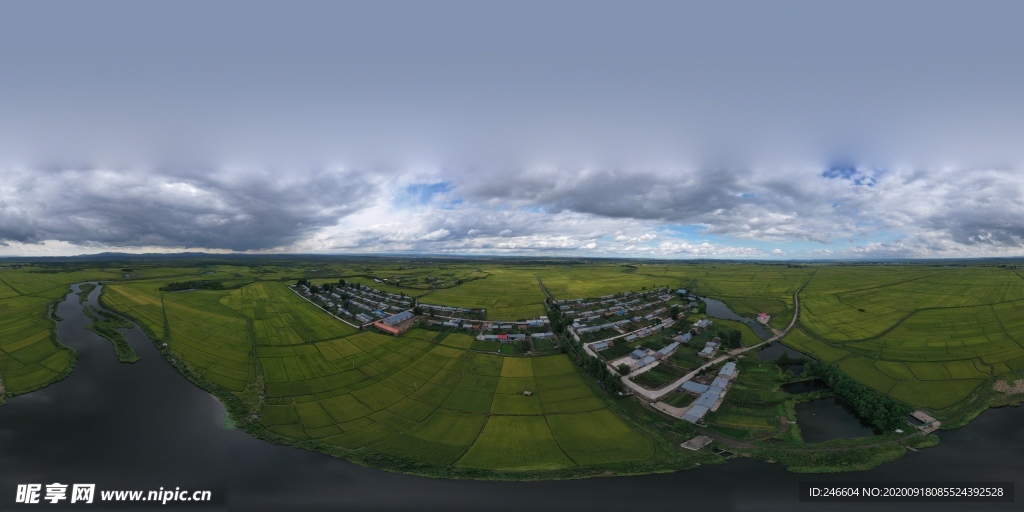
x=657, y=394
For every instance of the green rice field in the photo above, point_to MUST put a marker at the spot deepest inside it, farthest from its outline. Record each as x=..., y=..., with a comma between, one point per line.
x=407, y=397
x=934, y=337
x=929, y=336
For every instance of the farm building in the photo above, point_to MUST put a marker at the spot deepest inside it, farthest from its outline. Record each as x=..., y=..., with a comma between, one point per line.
x=683, y=338
x=728, y=371
x=694, y=387
x=645, y=361
x=696, y=413
x=709, y=398
x=667, y=350
x=395, y=324
x=720, y=383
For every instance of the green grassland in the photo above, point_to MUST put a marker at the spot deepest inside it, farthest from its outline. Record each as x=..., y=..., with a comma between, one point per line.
x=929, y=336
x=30, y=355
x=445, y=404
x=408, y=397
x=506, y=294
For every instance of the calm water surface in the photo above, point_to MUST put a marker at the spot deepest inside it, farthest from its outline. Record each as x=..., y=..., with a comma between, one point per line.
x=776, y=350
x=804, y=386
x=144, y=426
x=718, y=309
x=828, y=419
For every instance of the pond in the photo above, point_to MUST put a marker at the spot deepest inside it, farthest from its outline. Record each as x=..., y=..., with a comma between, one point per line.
x=144, y=426
x=828, y=419
x=776, y=350
x=718, y=309
x=804, y=386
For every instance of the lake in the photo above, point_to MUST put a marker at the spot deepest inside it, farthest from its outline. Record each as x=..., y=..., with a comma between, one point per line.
x=144, y=426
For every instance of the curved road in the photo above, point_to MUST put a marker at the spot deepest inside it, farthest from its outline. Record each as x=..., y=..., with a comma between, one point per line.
x=657, y=394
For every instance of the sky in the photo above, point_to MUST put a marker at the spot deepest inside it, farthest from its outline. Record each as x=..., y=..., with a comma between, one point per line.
x=720, y=129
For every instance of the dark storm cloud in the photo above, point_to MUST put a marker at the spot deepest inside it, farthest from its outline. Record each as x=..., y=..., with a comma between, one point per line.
x=240, y=210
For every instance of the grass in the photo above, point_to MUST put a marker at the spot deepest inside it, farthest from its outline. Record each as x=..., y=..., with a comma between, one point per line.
x=516, y=443
x=931, y=336
x=659, y=376
x=31, y=357
x=520, y=296
x=107, y=325
x=408, y=398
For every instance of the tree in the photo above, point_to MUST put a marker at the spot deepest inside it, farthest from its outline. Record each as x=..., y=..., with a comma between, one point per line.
x=341, y=282
x=624, y=369
x=674, y=312
x=417, y=310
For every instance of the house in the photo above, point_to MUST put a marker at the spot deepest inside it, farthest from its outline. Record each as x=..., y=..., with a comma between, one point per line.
x=684, y=338
x=707, y=351
x=645, y=361
x=696, y=413
x=391, y=323
x=601, y=346
x=542, y=335
x=694, y=387
x=703, y=323
x=503, y=337
x=728, y=371
x=720, y=383
x=708, y=399
x=638, y=353
x=667, y=350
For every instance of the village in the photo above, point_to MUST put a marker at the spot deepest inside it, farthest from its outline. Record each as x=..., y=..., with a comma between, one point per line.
x=635, y=334
x=364, y=307
x=642, y=336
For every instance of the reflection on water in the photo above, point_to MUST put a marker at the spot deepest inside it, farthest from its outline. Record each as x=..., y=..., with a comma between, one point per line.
x=828, y=419
x=777, y=350
x=718, y=309
x=143, y=426
x=805, y=386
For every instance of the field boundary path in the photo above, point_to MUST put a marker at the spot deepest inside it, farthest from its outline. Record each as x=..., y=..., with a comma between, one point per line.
x=322, y=309
x=544, y=288
x=654, y=395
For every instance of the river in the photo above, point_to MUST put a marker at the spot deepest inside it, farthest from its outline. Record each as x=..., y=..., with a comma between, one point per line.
x=144, y=426
x=718, y=309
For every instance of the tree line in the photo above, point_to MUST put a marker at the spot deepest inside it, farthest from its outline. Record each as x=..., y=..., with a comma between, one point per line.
x=882, y=411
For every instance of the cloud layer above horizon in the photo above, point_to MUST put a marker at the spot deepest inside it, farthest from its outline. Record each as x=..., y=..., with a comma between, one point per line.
x=655, y=129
